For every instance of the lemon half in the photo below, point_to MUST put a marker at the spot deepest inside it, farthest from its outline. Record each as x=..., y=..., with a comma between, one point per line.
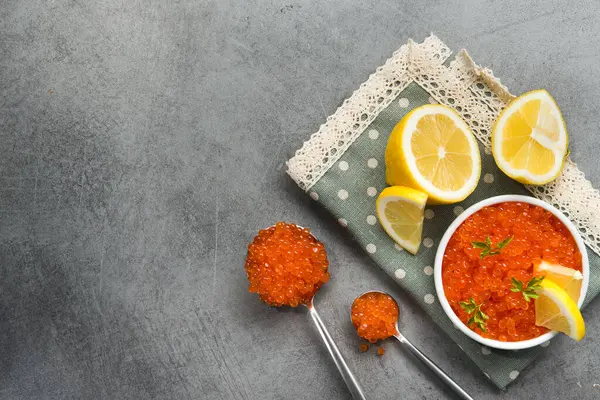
x=530, y=140
x=433, y=150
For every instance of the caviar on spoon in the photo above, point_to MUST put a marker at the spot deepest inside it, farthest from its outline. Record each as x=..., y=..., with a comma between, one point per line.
x=374, y=314
x=286, y=265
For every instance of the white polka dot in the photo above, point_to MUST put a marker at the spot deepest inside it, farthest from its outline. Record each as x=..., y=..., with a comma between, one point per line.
x=371, y=191
x=429, y=214
x=487, y=151
x=428, y=242
x=373, y=134
x=400, y=273
x=488, y=178
x=398, y=247
x=314, y=196
x=429, y=299
x=428, y=270
x=485, y=351
x=403, y=102
x=431, y=100
x=371, y=248
x=372, y=163
x=371, y=220
x=458, y=210
x=343, y=222
x=545, y=344
x=513, y=374
x=342, y=194
x=343, y=165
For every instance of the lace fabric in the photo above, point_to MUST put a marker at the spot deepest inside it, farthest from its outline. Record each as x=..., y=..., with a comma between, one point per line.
x=472, y=91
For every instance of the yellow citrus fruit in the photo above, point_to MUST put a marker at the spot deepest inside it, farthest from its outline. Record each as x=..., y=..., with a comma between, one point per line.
x=400, y=211
x=555, y=310
x=433, y=150
x=530, y=140
x=568, y=279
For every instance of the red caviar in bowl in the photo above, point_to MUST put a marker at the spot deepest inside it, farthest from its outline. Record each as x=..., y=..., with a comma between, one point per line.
x=536, y=235
x=286, y=265
x=374, y=316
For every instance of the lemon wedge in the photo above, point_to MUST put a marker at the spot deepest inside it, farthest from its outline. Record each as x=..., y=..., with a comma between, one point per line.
x=530, y=140
x=433, y=150
x=568, y=279
x=555, y=310
x=400, y=211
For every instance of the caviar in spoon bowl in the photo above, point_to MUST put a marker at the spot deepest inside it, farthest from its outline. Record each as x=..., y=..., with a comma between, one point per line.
x=374, y=314
x=286, y=266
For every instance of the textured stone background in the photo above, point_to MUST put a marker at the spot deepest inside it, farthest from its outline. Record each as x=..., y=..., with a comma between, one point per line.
x=142, y=146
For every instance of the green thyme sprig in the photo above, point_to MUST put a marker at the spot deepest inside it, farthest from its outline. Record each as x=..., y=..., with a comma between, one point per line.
x=478, y=317
x=529, y=291
x=488, y=249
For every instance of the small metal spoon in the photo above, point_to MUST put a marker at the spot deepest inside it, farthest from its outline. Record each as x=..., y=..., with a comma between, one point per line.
x=424, y=359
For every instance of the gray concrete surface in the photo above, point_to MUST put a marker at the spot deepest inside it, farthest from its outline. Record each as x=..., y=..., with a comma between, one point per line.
x=142, y=144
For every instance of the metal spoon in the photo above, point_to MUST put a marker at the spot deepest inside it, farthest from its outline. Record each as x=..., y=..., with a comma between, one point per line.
x=347, y=375
x=338, y=359
x=424, y=359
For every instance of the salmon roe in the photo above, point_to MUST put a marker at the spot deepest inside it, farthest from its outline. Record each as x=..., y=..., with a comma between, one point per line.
x=537, y=235
x=374, y=316
x=286, y=265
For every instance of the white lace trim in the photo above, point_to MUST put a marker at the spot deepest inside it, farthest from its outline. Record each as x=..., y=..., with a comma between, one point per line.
x=472, y=91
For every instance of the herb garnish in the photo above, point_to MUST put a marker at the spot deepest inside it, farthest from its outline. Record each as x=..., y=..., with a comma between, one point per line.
x=529, y=291
x=478, y=318
x=487, y=246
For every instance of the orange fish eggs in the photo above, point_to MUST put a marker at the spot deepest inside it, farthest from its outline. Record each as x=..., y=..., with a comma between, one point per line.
x=536, y=235
x=374, y=316
x=286, y=265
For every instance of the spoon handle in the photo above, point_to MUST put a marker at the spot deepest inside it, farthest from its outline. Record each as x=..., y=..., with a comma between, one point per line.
x=437, y=370
x=349, y=378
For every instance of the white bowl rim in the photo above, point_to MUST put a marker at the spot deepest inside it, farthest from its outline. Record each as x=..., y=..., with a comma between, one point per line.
x=497, y=344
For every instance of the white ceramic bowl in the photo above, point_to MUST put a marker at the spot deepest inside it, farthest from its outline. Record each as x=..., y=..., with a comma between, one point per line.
x=524, y=344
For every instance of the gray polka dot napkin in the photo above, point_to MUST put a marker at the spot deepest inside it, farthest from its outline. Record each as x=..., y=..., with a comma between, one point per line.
x=349, y=188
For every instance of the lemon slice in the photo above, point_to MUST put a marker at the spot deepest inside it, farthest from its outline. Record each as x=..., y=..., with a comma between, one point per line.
x=400, y=211
x=568, y=279
x=555, y=310
x=530, y=140
x=433, y=150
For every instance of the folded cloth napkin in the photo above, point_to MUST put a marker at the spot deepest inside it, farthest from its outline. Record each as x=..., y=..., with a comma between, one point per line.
x=342, y=166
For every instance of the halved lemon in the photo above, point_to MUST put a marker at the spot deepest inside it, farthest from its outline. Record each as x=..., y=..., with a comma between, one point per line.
x=555, y=310
x=400, y=211
x=568, y=279
x=433, y=150
x=530, y=140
